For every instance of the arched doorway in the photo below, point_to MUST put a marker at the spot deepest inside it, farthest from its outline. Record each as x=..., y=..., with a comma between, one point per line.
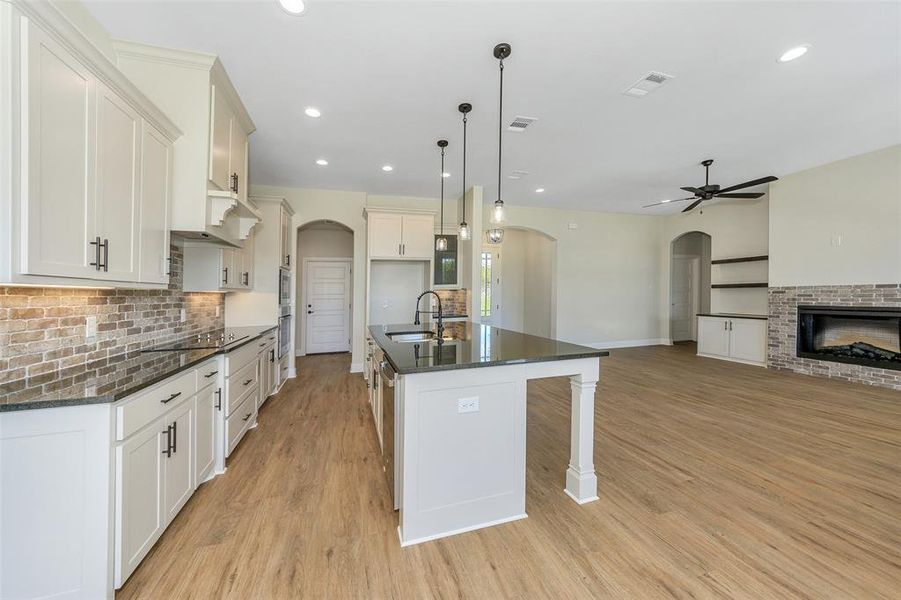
x=518, y=282
x=689, y=284
x=325, y=254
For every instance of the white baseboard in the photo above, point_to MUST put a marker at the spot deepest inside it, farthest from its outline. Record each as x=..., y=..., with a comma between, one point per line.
x=631, y=343
x=437, y=536
x=356, y=367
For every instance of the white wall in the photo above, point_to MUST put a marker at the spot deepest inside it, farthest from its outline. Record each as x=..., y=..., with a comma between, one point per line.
x=394, y=287
x=857, y=200
x=527, y=282
x=608, y=273
x=736, y=228
x=319, y=240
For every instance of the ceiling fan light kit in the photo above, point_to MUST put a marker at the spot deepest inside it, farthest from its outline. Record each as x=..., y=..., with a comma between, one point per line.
x=709, y=191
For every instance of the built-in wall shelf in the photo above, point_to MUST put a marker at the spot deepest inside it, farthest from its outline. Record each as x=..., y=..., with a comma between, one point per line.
x=739, y=285
x=741, y=259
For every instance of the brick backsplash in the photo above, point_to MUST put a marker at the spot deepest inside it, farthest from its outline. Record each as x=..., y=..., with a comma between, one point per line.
x=43, y=329
x=453, y=302
x=783, y=329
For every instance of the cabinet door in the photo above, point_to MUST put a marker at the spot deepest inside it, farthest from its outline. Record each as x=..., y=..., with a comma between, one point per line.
x=385, y=235
x=220, y=140
x=748, y=340
x=287, y=241
x=139, y=491
x=263, y=390
x=117, y=185
x=178, y=469
x=713, y=336
x=207, y=401
x=156, y=169
x=58, y=124
x=247, y=261
x=238, y=158
x=274, y=380
x=418, y=236
x=226, y=268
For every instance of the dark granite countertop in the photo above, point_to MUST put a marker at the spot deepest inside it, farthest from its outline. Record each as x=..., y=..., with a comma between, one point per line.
x=733, y=316
x=112, y=378
x=469, y=345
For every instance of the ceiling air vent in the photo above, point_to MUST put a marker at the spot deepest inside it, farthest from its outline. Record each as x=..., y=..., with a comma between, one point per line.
x=520, y=123
x=647, y=84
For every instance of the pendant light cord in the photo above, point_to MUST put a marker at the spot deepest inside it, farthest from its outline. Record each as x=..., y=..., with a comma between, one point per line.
x=464, y=167
x=442, y=191
x=500, y=129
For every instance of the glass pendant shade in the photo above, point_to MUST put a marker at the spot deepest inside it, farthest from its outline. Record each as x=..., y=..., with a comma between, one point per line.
x=441, y=244
x=498, y=213
x=495, y=236
x=463, y=231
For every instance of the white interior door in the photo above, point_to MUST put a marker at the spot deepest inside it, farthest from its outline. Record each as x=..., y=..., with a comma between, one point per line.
x=327, y=310
x=683, y=290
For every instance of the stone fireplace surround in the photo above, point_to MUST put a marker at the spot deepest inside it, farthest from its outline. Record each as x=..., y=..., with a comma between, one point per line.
x=783, y=327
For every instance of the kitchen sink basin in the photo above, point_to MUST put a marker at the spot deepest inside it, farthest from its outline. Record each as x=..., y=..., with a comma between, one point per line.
x=417, y=336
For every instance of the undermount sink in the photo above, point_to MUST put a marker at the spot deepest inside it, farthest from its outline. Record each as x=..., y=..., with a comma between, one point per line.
x=418, y=336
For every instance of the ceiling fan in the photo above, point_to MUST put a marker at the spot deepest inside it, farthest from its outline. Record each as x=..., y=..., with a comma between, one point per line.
x=709, y=191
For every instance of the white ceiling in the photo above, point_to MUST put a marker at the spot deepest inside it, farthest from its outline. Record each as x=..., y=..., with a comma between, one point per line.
x=388, y=77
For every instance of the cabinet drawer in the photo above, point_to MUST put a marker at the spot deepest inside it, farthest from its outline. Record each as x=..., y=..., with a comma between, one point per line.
x=239, y=385
x=208, y=374
x=238, y=423
x=238, y=359
x=142, y=408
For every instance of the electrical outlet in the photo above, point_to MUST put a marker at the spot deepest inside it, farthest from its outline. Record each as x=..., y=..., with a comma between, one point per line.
x=90, y=326
x=384, y=304
x=836, y=239
x=217, y=311
x=468, y=405
x=184, y=315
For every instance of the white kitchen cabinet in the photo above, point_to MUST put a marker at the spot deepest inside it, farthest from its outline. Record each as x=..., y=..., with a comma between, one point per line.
x=156, y=184
x=733, y=338
x=117, y=181
x=286, y=240
x=78, y=176
x=178, y=465
x=245, y=280
x=211, y=268
x=209, y=402
x=400, y=236
x=58, y=200
x=210, y=183
x=139, y=495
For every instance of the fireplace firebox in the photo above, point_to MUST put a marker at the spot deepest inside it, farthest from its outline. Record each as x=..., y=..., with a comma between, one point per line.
x=867, y=336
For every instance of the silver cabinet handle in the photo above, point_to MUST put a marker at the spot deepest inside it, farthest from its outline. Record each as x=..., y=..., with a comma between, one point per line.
x=219, y=399
x=168, y=450
x=171, y=398
x=208, y=375
x=247, y=416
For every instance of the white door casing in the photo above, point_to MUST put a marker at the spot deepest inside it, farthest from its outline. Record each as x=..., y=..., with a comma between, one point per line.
x=684, y=297
x=326, y=305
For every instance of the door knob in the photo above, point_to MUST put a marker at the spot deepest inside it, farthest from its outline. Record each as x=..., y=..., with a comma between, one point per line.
x=309, y=312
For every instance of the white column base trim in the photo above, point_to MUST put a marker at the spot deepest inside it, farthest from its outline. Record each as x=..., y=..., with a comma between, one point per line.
x=581, y=487
x=291, y=372
x=356, y=367
x=438, y=536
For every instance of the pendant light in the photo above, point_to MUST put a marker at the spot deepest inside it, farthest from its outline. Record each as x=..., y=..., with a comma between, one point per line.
x=441, y=241
x=463, y=229
x=498, y=212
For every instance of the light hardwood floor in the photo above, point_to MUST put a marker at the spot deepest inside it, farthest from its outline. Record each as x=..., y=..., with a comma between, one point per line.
x=716, y=480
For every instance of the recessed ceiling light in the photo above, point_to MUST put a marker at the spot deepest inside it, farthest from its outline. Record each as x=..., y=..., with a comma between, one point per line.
x=322, y=162
x=793, y=53
x=293, y=7
x=445, y=174
x=387, y=168
x=312, y=111
x=539, y=190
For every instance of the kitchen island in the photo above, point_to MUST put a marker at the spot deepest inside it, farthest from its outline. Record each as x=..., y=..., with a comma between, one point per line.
x=454, y=438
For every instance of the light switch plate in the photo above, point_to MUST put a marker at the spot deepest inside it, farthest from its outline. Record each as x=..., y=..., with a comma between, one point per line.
x=184, y=315
x=90, y=326
x=468, y=405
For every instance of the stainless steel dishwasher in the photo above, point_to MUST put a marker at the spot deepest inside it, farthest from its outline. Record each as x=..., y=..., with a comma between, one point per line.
x=389, y=419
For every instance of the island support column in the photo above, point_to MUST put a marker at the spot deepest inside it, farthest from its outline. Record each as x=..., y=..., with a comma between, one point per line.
x=581, y=481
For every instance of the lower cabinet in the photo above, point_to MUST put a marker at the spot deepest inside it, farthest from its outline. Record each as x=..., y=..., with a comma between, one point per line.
x=733, y=338
x=209, y=402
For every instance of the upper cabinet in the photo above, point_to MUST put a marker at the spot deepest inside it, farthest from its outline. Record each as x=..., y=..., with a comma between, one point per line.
x=209, y=195
x=394, y=235
x=286, y=240
x=82, y=202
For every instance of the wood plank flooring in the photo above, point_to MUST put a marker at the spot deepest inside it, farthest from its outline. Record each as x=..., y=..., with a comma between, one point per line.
x=716, y=480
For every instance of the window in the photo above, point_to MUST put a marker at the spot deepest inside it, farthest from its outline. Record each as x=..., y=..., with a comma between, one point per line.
x=486, y=284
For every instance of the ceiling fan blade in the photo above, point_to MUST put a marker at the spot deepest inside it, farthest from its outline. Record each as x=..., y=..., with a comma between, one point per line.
x=742, y=195
x=668, y=202
x=748, y=184
x=693, y=190
x=692, y=205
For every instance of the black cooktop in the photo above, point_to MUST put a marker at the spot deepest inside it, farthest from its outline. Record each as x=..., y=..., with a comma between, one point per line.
x=218, y=339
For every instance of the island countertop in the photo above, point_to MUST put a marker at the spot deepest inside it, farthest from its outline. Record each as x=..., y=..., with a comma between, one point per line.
x=468, y=345
x=113, y=378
